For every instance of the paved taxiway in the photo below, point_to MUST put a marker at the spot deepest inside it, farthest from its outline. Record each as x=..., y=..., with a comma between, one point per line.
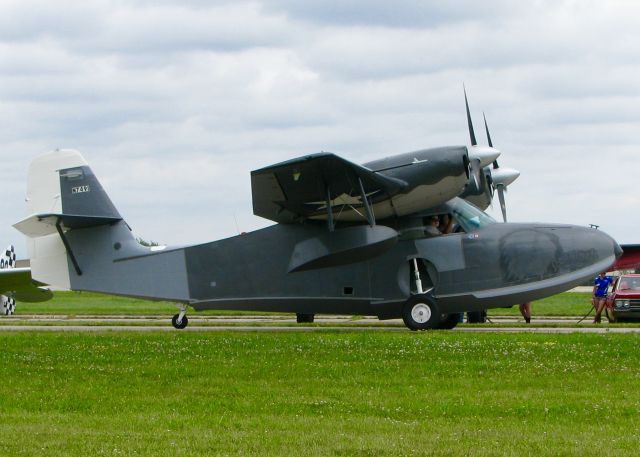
x=281, y=323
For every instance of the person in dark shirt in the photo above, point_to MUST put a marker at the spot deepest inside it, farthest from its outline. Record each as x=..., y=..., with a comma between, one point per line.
x=432, y=226
x=600, y=289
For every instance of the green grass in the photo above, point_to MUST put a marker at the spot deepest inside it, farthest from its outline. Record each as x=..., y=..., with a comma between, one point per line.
x=565, y=304
x=89, y=303
x=361, y=393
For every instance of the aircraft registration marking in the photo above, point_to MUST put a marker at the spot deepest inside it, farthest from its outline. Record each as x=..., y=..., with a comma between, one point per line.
x=80, y=189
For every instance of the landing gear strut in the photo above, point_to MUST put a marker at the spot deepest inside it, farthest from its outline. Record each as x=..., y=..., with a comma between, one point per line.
x=180, y=320
x=421, y=312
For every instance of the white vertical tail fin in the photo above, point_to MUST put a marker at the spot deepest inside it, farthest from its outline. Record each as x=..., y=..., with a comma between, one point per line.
x=62, y=194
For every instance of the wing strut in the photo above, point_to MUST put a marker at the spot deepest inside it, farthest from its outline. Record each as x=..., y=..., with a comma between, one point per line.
x=68, y=247
x=330, y=222
x=365, y=202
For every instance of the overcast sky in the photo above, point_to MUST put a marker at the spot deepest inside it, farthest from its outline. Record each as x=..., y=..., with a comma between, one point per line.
x=174, y=103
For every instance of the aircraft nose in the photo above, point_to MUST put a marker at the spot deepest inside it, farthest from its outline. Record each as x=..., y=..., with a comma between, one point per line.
x=605, y=246
x=617, y=250
x=608, y=243
x=580, y=249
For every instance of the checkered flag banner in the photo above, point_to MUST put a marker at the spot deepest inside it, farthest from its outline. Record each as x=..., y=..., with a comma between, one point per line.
x=7, y=261
x=7, y=305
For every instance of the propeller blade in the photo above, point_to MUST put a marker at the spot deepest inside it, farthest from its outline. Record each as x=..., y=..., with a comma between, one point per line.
x=503, y=206
x=489, y=182
x=472, y=135
x=474, y=174
x=487, y=129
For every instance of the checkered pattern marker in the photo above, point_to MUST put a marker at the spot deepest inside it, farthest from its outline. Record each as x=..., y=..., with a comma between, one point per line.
x=7, y=261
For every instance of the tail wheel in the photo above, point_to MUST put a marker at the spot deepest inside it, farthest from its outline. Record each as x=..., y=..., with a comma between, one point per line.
x=179, y=324
x=421, y=312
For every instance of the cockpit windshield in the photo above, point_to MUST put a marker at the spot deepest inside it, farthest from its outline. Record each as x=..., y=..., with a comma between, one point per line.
x=469, y=216
x=454, y=216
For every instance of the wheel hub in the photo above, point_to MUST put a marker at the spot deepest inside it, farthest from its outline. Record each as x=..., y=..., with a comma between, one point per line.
x=421, y=313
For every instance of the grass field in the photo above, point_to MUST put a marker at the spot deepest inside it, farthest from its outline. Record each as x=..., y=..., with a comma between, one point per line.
x=87, y=303
x=79, y=303
x=324, y=393
x=565, y=304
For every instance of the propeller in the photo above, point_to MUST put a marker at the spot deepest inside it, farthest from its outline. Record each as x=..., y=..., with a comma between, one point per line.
x=479, y=156
x=486, y=179
x=500, y=177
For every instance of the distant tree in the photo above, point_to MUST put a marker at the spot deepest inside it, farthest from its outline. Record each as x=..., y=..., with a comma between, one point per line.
x=147, y=243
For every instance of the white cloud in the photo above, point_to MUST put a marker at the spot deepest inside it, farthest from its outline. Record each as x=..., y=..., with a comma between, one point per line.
x=174, y=103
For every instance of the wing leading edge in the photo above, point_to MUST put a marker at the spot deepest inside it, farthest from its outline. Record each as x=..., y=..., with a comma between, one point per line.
x=301, y=188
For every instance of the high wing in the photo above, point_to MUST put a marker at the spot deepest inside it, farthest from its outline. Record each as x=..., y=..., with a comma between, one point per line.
x=18, y=283
x=301, y=188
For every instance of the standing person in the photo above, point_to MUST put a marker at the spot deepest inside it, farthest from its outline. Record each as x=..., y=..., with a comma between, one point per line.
x=600, y=289
x=525, y=310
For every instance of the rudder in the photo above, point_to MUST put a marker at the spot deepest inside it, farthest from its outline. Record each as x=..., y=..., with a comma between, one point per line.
x=62, y=194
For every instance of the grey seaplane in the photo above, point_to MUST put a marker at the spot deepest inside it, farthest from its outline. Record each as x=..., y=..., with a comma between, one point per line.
x=404, y=236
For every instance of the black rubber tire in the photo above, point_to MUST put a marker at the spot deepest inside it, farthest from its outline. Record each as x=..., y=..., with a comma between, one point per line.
x=304, y=318
x=477, y=317
x=424, y=300
x=181, y=325
x=449, y=321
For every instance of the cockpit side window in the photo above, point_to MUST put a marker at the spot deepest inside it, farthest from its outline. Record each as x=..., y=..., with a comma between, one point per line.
x=455, y=216
x=430, y=226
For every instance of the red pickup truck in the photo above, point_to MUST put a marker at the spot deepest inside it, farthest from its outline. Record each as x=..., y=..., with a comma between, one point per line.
x=623, y=303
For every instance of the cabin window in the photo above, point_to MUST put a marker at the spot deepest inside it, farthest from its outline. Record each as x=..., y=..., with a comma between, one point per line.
x=465, y=217
x=347, y=290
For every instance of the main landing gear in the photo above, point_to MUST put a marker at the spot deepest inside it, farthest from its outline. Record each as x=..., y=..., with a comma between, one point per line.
x=180, y=320
x=421, y=311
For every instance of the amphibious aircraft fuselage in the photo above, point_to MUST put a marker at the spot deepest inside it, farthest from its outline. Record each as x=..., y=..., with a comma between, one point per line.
x=348, y=239
x=492, y=266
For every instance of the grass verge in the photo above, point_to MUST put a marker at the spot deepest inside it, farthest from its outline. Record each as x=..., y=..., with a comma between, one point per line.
x=325, y=393
x=89, y=303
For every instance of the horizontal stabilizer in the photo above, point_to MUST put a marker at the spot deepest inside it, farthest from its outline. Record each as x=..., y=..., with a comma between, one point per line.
x=45, y=224
x=33, y=294
x=18, y=283
x=342, y=247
